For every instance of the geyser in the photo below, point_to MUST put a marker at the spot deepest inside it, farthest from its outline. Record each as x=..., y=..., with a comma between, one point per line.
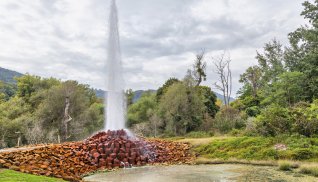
x=115, y=97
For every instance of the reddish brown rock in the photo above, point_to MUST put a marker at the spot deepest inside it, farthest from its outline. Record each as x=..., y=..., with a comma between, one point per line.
x=105, y=150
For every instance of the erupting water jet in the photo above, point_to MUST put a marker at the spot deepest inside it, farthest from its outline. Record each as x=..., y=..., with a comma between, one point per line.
x=115, y=97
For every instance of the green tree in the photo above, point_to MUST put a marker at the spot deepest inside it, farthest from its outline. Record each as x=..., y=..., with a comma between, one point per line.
x=258, y=81
x=92, y=118
x=271, y=62
x=182, y=108
x=199, y=69
x=11, y=114
x=302, y=54
x=142, y=110
x=250, y=93
x=252, y=79
x=7, y=91
x=130, y=97
x=163, y=89
x=209, y=99
x=288, y=89
x=52, y=110
x=27, y=85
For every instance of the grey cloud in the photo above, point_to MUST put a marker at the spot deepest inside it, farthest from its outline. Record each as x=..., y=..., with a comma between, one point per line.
x=12, y=6
x=189, y=37
x=71, y=43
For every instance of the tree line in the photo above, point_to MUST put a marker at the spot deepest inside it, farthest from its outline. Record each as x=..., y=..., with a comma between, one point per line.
x=279, y=94
x=39, y=110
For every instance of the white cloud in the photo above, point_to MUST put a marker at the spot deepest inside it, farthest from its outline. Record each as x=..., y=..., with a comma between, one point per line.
x=67, y=39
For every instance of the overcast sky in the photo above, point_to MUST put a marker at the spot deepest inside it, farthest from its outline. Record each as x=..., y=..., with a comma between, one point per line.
x=67, y=39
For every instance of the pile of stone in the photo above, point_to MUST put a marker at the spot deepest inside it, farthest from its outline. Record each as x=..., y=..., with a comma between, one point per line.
x=116, y=149
x=105, y=150
x=61, y=161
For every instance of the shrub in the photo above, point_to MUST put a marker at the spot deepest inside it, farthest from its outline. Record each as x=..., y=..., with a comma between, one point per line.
x=229, y=118
x=285, y=166
x=302, y=154
x=311, y=170
x=270, y=154
x=235, y=132
x=253, y=111
x=305, y=118
x=250, y=129
x=274, y=120
x=295, y=165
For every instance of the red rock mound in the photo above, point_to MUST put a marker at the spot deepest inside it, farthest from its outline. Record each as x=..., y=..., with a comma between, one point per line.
x=105, y=150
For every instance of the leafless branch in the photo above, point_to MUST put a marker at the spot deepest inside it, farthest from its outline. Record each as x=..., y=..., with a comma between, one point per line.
x=223, y=70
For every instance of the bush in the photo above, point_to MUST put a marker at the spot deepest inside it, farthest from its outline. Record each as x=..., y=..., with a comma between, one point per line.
x=305, y=118
x=250, y=129
x=270, y=153
x=311, y=170
x=274, y=120
x=285, y=166
x=235, y=132
x=253, y=111
x=229, y=118
x=303, y=154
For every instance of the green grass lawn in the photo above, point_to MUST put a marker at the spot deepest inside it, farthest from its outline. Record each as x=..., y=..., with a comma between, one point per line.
x=258, y=148
x=13, y=176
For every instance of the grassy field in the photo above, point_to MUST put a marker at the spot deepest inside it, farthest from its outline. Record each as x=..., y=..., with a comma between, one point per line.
x=13, y=176
x=259, y=148
x=301, y=155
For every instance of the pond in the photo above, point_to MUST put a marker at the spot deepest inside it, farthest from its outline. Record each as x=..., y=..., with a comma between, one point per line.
x=198, y=173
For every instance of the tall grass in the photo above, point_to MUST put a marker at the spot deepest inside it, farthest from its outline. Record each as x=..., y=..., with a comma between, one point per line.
x=310, y=170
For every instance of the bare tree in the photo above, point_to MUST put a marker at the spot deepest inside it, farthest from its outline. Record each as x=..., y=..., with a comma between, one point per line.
x=222, y=69
x=3, y=144
x=199, y=68
x=66, y=118
x=155, y=123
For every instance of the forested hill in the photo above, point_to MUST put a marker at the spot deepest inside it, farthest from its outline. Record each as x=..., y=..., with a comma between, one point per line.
x=7, y=76
x=220, y=96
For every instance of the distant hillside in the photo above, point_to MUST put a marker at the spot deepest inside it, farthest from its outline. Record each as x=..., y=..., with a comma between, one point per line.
x=7, y=76
x=99, y=93
x=137, y=94
x=220, y=96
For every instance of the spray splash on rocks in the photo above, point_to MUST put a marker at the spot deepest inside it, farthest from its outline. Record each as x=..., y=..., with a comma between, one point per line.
x=113, y=149
x=105, y=150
